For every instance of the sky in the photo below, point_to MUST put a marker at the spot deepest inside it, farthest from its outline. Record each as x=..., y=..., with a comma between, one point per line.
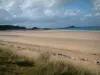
x=50, y=13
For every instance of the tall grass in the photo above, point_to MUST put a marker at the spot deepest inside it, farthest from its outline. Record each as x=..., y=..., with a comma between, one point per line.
x=14, y=65
x=57, y=67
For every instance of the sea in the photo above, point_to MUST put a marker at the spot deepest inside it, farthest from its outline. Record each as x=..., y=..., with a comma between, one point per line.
x=83, y=29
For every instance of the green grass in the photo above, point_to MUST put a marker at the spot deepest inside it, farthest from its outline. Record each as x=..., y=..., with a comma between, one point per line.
x=14, y=65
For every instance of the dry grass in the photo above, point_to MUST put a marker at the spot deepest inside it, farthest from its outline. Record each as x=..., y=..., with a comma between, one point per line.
x=14, y=65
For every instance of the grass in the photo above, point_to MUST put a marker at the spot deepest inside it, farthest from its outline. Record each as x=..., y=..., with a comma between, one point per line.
x=14, y=65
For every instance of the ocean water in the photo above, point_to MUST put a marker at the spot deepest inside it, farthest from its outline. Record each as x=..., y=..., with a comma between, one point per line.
x=85, y=29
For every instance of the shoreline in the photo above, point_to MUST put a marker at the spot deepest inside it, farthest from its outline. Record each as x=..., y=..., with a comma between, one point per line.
x=56, y=30
x=81, y=30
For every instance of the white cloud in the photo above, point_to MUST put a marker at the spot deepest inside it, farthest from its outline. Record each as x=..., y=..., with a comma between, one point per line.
x=88, y=15
x=34, y=8
x=40, y=12
x=96, y=4
x=97, y=14
x=49, y=12
x=85, y=16
x=73, y=12
x=69, y=13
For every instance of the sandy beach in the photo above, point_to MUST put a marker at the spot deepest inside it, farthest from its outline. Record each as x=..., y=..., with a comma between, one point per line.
x=78, y=45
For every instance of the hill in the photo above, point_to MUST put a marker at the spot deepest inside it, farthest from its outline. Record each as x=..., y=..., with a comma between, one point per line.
x=11, y=27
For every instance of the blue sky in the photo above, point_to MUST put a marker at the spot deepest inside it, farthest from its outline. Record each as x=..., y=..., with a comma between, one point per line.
x=50, y=13
x=83, y=5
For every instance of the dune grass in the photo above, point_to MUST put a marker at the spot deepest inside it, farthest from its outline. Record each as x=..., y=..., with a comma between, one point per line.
x=14, y=65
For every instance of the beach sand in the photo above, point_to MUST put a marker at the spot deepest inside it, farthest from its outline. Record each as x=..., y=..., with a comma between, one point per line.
x=83, y=46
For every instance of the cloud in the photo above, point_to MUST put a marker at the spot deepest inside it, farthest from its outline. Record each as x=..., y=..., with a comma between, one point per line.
x=96, y=4
x=43, y=13
x=4, y=15
x=97, y=14
x=73, y=12
x=33, y=8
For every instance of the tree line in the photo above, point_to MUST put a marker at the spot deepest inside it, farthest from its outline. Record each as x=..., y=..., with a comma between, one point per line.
x=11, y=27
